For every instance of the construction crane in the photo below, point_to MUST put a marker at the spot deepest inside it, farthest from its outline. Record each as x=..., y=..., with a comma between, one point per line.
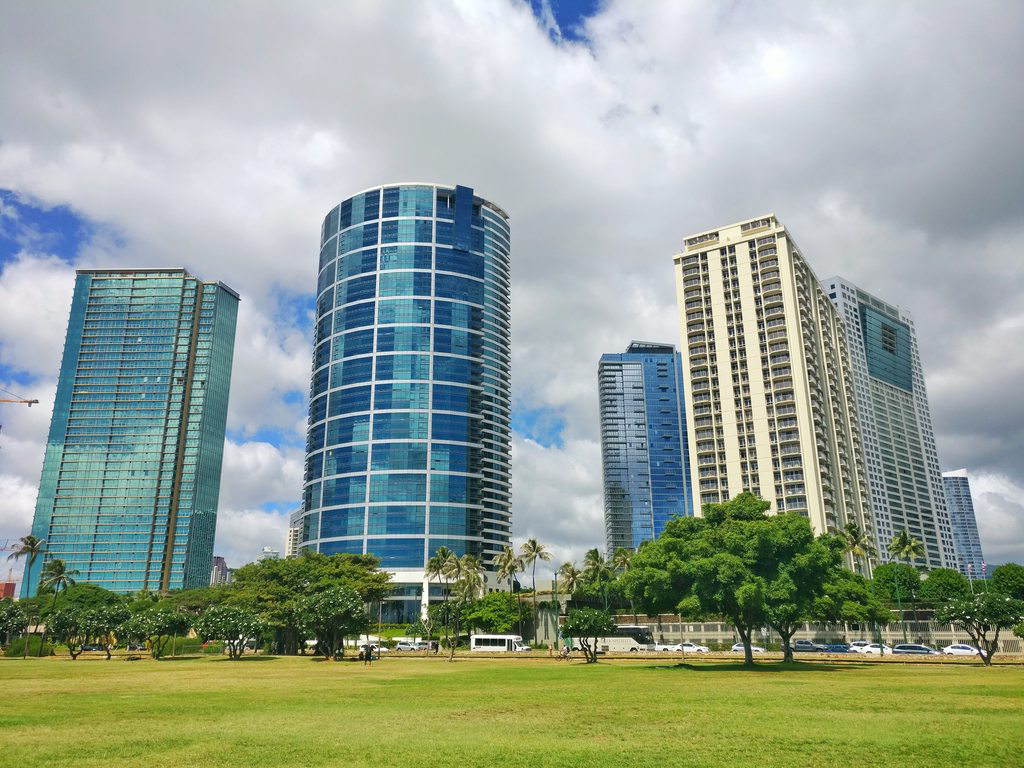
x=17, y=399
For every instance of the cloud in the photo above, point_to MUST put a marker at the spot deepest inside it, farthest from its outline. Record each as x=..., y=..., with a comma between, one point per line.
x=878, y=134
x=242, y=533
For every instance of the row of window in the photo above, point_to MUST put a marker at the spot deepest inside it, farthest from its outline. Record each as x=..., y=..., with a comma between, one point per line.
x=392, y=456
x=447, y=489
x=393, y=426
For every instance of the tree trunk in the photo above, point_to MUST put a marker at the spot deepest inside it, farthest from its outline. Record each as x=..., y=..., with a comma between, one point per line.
x=748, y=655
x=787, y=649
x=536, y=620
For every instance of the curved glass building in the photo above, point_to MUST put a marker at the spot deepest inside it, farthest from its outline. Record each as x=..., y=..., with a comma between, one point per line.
x=408, y=442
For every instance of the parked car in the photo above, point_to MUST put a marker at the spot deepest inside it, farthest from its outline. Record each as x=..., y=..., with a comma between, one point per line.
x=837, y=648
x=858, y=645
x=690, y=648
x=875, y=648
x=915, y=648
x=807, y=646
x=135, y=647
x=94, y=647
x=405, y=646
x=959, y=649
x=421, y=646
x=665, y=647
x=738, y=648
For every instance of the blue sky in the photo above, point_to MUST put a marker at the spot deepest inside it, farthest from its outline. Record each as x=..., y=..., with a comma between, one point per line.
x=861, y=126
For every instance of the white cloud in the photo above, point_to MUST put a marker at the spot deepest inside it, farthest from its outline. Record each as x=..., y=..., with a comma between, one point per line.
x=241, y=534
x=862, y=126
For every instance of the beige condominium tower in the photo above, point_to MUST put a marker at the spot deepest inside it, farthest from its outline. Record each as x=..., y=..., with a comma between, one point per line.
x=769, y=396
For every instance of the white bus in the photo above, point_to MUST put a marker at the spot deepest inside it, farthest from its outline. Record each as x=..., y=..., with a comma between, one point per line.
x=497, y=643
x=627, y=639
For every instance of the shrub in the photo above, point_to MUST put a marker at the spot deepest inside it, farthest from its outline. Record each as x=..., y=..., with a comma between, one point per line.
x=17, y=647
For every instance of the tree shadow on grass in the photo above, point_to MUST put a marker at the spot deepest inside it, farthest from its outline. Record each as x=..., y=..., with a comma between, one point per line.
x=248, y=658
x=762, y=667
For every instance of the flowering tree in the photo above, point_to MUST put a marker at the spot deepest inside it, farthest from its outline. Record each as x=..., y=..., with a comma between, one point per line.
x=154, y=626
x=69, y=626
x=232, y=625
x=331, y=616
x=981, y=617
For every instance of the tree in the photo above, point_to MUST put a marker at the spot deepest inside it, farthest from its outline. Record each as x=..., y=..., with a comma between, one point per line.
x=895, y=581
x=13, y=620
x=859, y=545
x=331, y=616
x=571, y=576
x=805, y=565
x=585, y=626
x=57, y=577
x=436, y=570
x=69, y=626
x=982, y=616
x=597, y=571
x=531, y=552
x=905, y=547
x=848, y=597
x=154, y=626
x=88, y=597
x=465, y=572
x=718, y=566
x=497, y=612
x=508, y=564
x=1008, y=579
x=943, y=585
x=30, y=547
x=102, y=623
x=231, y=624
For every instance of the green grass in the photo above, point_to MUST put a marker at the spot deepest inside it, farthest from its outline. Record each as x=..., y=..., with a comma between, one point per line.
x=426, y=712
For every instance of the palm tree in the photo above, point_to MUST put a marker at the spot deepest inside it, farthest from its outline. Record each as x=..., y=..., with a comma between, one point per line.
x=435, y=570
x=858, y=544
x=508, y=564
x=466, y=572
x=905, y=546
x=31, y=547
x=622, y=560
x=571, y=576
x=531, y=552
x=56, y=576
x=597, y=569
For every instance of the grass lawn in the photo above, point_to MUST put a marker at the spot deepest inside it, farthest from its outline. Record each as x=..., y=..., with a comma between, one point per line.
x=426, y=712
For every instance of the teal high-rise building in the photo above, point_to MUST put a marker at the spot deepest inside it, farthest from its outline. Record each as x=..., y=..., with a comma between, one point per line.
x=408, y=447
x=131, y=475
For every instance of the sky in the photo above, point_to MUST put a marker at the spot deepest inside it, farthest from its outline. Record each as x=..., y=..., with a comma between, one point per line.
x=885, y=136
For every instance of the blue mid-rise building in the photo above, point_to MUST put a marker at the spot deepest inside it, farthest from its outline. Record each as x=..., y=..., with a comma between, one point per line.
x=644, y=447
x=970, y=559
x=409, y=441
x=131, y=474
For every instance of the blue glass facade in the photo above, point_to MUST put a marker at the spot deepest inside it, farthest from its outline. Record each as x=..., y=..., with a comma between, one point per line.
x=644, y=449
x=887, y=347
x=966, y=540
x=131, y=474
x=408, y=442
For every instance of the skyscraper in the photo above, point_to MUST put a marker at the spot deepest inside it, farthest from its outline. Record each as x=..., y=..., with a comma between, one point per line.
x=896, y=425
x=970, y=559
x=644, y=449
x=408, y=444
x=218, y=571
x=769, y=400
x=131, y=475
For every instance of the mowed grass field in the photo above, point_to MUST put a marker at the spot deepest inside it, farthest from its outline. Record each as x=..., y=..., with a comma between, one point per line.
x=412, y=712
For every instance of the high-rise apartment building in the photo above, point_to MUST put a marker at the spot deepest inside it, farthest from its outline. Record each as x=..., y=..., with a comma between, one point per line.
x=218, y=571
x=131, y=475
x=293, y=539
x=408, y=444
x=769, y=399
x=966, y=540
x=644, y=450
x=896, y=426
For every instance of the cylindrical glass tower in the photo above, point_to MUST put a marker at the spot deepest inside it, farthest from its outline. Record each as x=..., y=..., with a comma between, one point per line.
x=408, y=442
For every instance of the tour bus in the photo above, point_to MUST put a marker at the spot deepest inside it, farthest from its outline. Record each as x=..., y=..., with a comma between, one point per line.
x=627, y=638
x=497, y=643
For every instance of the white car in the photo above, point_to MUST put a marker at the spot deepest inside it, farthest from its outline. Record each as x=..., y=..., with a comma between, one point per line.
x=405, y=646
x=858, y=645
x=958, y=649
x=690, y=648
x=875, y=648
x=666, y=647
x=738, y=648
